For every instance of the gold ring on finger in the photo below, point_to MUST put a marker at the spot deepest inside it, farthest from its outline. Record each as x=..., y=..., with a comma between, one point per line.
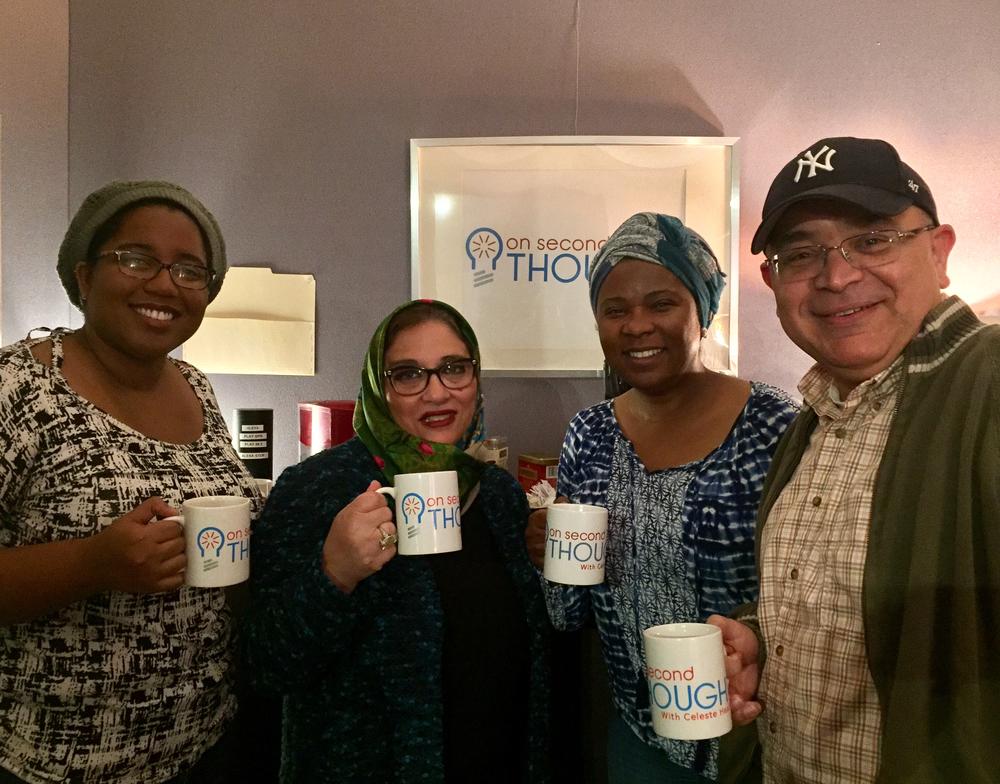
x=385, y=539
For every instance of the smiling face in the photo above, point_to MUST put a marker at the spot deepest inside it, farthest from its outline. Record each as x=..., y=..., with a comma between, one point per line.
x=144, y=318
x=648, y=324
x=856, y=322
x=437, y=414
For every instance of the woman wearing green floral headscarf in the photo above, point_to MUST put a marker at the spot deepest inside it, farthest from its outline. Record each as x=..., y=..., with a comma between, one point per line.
x=408, y=668
x=435, y=447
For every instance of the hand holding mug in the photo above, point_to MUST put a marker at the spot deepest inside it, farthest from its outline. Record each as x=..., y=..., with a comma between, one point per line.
x=535, y=534
x=534, y=537
x=353, y=549
x=742, y=668
x=139, y=554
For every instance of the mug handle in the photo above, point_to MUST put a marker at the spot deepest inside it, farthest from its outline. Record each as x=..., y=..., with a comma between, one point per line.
x=179, y=519
x=386, y=491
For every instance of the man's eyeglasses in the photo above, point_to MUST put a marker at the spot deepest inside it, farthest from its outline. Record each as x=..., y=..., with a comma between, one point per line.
x=862, y=251
x=185, y=274
x=412, y=380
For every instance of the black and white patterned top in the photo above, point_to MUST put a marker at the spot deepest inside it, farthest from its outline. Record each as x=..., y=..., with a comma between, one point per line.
x=118, y=687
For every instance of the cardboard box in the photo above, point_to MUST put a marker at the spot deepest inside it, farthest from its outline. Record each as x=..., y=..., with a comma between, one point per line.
x=532, y=469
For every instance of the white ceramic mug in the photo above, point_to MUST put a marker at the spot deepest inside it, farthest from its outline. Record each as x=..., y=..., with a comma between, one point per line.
x=216, y=540
x=576, y=539
x=686, y=672
x=264, y=485
x=428, y=516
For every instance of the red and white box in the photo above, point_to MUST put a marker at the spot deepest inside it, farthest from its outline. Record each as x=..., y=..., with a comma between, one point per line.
x=532, y=469
x=324, y=424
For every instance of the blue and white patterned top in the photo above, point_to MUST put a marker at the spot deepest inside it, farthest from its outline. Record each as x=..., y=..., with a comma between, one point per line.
x=680, y=544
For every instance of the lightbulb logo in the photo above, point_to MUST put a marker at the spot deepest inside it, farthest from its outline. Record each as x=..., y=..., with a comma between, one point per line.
x=413, y=507
x=483, y=246
x=210, y=540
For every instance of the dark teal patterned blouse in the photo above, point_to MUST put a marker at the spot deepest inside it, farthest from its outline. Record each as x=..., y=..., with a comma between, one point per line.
x=361, y=673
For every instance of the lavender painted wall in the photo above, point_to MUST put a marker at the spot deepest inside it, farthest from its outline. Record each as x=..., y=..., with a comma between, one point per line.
x=34, y=71
x=292, y=120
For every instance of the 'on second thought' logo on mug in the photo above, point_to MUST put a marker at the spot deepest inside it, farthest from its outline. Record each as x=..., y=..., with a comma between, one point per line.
x=677, y=692
x=583, y=547
x=210, y=541
x=439, y=511
x=216, y=547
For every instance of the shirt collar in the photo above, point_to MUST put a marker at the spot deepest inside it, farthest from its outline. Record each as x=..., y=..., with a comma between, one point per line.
x=821, y=394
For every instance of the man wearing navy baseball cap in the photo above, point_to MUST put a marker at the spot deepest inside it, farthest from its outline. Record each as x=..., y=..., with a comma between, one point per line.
x=878, y=538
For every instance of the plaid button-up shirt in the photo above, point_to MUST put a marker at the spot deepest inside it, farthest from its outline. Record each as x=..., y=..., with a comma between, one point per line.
x=821, y=720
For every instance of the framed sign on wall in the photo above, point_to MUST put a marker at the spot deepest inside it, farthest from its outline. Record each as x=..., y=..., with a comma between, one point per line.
x=505, y=229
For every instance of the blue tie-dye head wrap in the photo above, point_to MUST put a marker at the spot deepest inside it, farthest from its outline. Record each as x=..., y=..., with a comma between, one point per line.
x=662, y=239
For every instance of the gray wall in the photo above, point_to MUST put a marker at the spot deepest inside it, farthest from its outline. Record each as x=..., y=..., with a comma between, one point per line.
x=292, y=119
x=34, y=63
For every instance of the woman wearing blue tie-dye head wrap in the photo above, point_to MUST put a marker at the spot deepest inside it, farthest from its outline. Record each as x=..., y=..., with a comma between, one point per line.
x=664, y=240
x=678, y=460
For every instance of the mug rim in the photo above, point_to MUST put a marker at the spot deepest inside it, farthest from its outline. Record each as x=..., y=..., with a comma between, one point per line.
x=425, y=473
x=684, y=631
x=578, y=509
x=216, y=502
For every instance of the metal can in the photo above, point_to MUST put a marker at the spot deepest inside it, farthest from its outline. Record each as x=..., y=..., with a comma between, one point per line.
x=494, y=450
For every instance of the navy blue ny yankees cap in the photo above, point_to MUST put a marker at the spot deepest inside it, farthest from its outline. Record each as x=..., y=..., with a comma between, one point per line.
x=865, y=172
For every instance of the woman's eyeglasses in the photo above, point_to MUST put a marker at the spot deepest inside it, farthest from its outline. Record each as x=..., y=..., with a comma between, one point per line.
x=185, y=274
x=412, y=379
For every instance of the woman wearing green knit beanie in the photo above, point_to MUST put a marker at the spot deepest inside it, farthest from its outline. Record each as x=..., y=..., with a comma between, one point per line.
x=402, y=667
x=113, y=668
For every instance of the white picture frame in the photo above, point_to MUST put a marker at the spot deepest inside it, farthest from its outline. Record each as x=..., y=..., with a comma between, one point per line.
x=504, y=229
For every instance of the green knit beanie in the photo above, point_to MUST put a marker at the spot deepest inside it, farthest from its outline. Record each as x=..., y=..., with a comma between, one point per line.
x=106, y=202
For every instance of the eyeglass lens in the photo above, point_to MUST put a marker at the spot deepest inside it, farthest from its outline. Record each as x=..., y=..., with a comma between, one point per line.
x=862, y=251
x=410, y=379
x=188, y=275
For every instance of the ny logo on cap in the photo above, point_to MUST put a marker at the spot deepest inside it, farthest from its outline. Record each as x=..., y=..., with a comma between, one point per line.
x=813, y=162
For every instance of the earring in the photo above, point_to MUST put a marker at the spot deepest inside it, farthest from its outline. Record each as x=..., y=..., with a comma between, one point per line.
x=704, y=333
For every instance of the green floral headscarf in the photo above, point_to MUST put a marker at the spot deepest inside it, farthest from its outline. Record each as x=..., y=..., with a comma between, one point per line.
x=394, y=450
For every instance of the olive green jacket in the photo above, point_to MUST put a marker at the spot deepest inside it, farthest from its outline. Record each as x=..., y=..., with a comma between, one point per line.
x=931, y=591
